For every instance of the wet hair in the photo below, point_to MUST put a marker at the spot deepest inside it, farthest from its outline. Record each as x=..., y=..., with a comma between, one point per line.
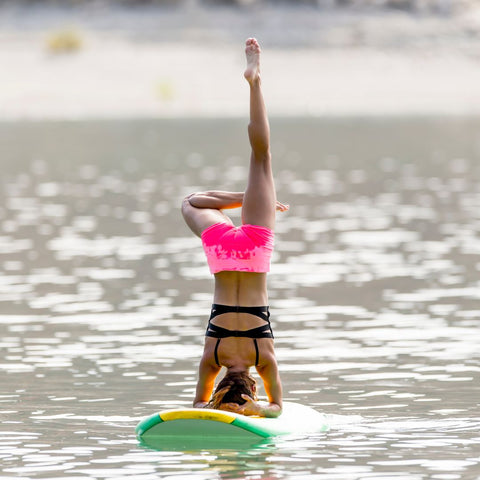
x=238, y=383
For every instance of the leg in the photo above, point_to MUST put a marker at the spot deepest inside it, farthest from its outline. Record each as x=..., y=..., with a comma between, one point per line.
x=203, y=209
x=260, y=200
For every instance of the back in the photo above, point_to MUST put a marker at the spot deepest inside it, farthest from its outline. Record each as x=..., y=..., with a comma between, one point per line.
x=241, y=288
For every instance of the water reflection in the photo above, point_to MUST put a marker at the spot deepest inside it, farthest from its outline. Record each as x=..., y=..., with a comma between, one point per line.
x=374, y=294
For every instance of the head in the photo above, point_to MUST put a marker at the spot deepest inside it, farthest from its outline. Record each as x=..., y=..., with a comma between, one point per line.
x=231, y=388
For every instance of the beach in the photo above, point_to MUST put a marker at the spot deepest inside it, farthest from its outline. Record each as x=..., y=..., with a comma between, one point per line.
x=158, y=62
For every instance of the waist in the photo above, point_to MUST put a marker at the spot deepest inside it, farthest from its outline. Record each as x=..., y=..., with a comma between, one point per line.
x=240, y=288
x=262, y=331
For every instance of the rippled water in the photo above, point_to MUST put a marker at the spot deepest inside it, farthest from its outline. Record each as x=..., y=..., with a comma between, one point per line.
x=375, y=293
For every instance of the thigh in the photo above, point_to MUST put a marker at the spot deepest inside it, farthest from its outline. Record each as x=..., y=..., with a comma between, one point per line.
x=199, y=219
x=259, y=201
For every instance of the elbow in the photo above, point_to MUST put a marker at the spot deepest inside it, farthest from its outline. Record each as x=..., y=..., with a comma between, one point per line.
x=274, y=410
x=185, y=206
x=187, y=201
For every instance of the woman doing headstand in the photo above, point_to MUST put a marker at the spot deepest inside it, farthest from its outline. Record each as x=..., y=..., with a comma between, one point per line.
x=239, y=335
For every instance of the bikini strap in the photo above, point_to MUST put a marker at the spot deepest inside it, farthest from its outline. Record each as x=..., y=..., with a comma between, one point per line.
x=262, y=312
x=264, y=331
x=216, y=352
x=257, y=353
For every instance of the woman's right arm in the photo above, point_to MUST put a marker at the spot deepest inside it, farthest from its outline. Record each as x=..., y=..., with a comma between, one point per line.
x=270, y=375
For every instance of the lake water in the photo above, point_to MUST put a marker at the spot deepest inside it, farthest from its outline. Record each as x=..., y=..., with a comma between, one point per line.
x=374, y=292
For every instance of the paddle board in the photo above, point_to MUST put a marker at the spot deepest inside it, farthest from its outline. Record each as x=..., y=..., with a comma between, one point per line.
x=224, y=427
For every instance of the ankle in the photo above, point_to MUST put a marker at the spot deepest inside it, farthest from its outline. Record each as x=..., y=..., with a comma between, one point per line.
x=254, y=82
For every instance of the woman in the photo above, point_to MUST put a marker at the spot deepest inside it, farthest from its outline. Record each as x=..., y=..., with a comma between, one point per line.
x=239, y=335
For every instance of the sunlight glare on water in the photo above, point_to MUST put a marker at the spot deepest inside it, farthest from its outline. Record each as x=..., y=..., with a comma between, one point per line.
x=374, y=293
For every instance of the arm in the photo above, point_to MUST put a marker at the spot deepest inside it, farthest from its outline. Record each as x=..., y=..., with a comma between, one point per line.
x=217, y=200
x=220, y=200
x=206, y=380
x=268, y=371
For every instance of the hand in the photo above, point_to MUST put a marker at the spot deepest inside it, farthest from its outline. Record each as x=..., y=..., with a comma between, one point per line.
x=281, y=207
x=261, y=409
x=250, y=407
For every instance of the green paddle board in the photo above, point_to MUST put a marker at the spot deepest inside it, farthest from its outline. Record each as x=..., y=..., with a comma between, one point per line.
x=201, y=426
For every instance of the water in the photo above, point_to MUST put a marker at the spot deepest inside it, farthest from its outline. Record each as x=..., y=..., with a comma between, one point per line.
x=104, y=295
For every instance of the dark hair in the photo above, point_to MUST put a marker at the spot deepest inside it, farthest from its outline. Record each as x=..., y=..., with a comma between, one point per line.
x=235, y=384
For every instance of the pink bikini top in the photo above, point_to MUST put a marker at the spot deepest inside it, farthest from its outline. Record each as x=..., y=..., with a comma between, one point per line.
x=246, y=248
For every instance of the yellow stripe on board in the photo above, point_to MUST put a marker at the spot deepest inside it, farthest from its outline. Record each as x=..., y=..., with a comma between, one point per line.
x=199, y=414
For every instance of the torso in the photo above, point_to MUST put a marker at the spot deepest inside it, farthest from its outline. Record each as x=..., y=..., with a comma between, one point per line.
x=239, y=289
x=245, y=289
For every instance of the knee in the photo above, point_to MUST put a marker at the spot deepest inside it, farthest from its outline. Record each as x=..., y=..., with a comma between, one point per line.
x=262, y=157
x=259, y=140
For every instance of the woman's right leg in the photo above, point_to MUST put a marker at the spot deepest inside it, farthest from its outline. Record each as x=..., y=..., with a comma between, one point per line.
x=259, y=202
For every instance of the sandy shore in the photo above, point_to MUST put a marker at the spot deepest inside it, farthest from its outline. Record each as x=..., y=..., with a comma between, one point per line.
x=164, y=63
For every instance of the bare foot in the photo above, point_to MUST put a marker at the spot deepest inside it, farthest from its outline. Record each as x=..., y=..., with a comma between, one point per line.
x=252, y=51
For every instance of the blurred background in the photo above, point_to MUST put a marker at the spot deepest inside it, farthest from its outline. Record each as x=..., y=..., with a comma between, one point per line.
x=98, y=58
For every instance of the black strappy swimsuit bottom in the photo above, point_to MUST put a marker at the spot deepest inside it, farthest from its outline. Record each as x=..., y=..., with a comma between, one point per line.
x=264, y=331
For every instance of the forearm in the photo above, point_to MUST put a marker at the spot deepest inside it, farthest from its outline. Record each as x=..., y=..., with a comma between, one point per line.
x=255, y=408
x=203, y=391
x=273, y=386
x=270, y=410
x=206, y=380
x=216, y=199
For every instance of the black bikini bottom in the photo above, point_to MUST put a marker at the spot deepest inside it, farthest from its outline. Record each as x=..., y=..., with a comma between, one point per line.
x=264, y=331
